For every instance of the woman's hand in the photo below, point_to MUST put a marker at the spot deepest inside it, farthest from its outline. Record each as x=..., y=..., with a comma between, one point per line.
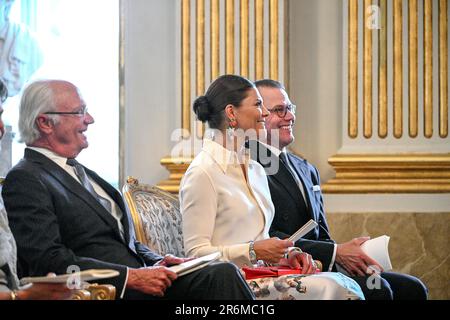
x=271, y=250
x=297, y=259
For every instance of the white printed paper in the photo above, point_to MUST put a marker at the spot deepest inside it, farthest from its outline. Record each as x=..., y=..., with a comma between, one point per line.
x=377, y=249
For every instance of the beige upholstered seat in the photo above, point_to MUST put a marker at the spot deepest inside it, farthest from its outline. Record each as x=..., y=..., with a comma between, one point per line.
x=156, y=216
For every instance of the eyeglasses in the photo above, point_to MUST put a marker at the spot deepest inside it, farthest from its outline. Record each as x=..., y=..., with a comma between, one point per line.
x=281, y=111
x=81, y=112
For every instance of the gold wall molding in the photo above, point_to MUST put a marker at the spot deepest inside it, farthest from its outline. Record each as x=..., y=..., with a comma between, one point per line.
x=428, y=67
x=382, y=75
x=443, y=68
x=407, y=70
x=245, y=50
x=259, y=39
x=229, y=36
x=273, y=41
x=367, y=86
x=388, y=173
x=398, y=68
x=387, y=63
x=413, y=63
x=186, y=64
x=215, y=38
x=177, y=167
x=353, y=68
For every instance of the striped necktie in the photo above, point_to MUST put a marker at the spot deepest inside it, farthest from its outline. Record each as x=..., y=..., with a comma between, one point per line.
x=81, y=174
x=285, y=160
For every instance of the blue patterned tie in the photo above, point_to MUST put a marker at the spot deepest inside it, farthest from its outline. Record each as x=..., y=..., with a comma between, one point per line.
x=81, y=174
x=285, y=160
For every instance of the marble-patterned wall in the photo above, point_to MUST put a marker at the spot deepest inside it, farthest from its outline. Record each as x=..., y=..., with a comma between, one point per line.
x=419, y=243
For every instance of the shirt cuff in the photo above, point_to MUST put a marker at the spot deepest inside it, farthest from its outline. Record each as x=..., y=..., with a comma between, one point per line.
x=124, y=285
x=333, y=258
x=238, y=254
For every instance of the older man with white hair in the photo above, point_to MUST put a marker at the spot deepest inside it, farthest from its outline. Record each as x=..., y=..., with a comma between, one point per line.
x=9, y=283
x=65, y=216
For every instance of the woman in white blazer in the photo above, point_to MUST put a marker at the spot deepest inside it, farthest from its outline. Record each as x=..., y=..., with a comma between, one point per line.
x=226, y=203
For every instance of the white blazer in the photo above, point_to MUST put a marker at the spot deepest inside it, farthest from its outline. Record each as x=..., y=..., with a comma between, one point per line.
x=221, y=210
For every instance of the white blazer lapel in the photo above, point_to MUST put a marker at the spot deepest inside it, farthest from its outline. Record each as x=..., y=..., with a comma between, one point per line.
x=261, y=192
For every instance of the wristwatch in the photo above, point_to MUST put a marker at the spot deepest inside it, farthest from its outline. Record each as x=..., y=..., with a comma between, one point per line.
x=252, y=253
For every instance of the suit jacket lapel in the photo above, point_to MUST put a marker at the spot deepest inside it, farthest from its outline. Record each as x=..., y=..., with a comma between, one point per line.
x=115, y=195
x=285, y=178
x=73, y=186
x=302, y=172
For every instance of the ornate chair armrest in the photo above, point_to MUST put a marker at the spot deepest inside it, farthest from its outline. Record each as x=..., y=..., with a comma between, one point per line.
x=101, y=291
x=81, y=295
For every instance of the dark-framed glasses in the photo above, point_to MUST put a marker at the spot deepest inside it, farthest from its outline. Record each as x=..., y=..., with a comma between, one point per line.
x=281, y=111
x=82, y=112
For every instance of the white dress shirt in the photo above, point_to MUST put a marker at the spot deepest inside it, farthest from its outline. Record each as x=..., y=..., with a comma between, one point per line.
x=222, y=210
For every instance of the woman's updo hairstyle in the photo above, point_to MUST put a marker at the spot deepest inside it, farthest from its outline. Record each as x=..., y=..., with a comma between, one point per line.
x=225, y=90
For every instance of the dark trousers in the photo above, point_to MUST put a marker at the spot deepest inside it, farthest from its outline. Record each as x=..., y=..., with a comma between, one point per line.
x=392, y=286
x=218, y=281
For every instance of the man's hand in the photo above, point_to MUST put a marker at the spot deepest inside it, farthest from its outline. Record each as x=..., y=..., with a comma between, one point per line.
x=350, y=256
x=151, y=280
x=171, y=260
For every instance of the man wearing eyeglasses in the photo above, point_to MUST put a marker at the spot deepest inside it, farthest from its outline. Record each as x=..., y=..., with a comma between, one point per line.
x=295, y=191
x=10, y=288
x=64, y=216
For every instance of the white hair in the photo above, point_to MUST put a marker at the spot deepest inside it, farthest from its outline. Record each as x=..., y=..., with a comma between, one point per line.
x=37, y=98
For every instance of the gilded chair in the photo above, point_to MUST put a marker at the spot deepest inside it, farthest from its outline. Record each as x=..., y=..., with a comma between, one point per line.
x=156, y=217
x=90, y=291
x=95, y=291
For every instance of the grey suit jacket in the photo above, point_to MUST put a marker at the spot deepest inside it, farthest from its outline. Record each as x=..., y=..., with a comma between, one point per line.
x=57, y=223
x=8, y=254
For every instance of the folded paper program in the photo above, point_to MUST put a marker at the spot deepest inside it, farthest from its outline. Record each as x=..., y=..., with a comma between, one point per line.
x=377, y=249
x=300, y=233
x=86, y=275
x=195, y=264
